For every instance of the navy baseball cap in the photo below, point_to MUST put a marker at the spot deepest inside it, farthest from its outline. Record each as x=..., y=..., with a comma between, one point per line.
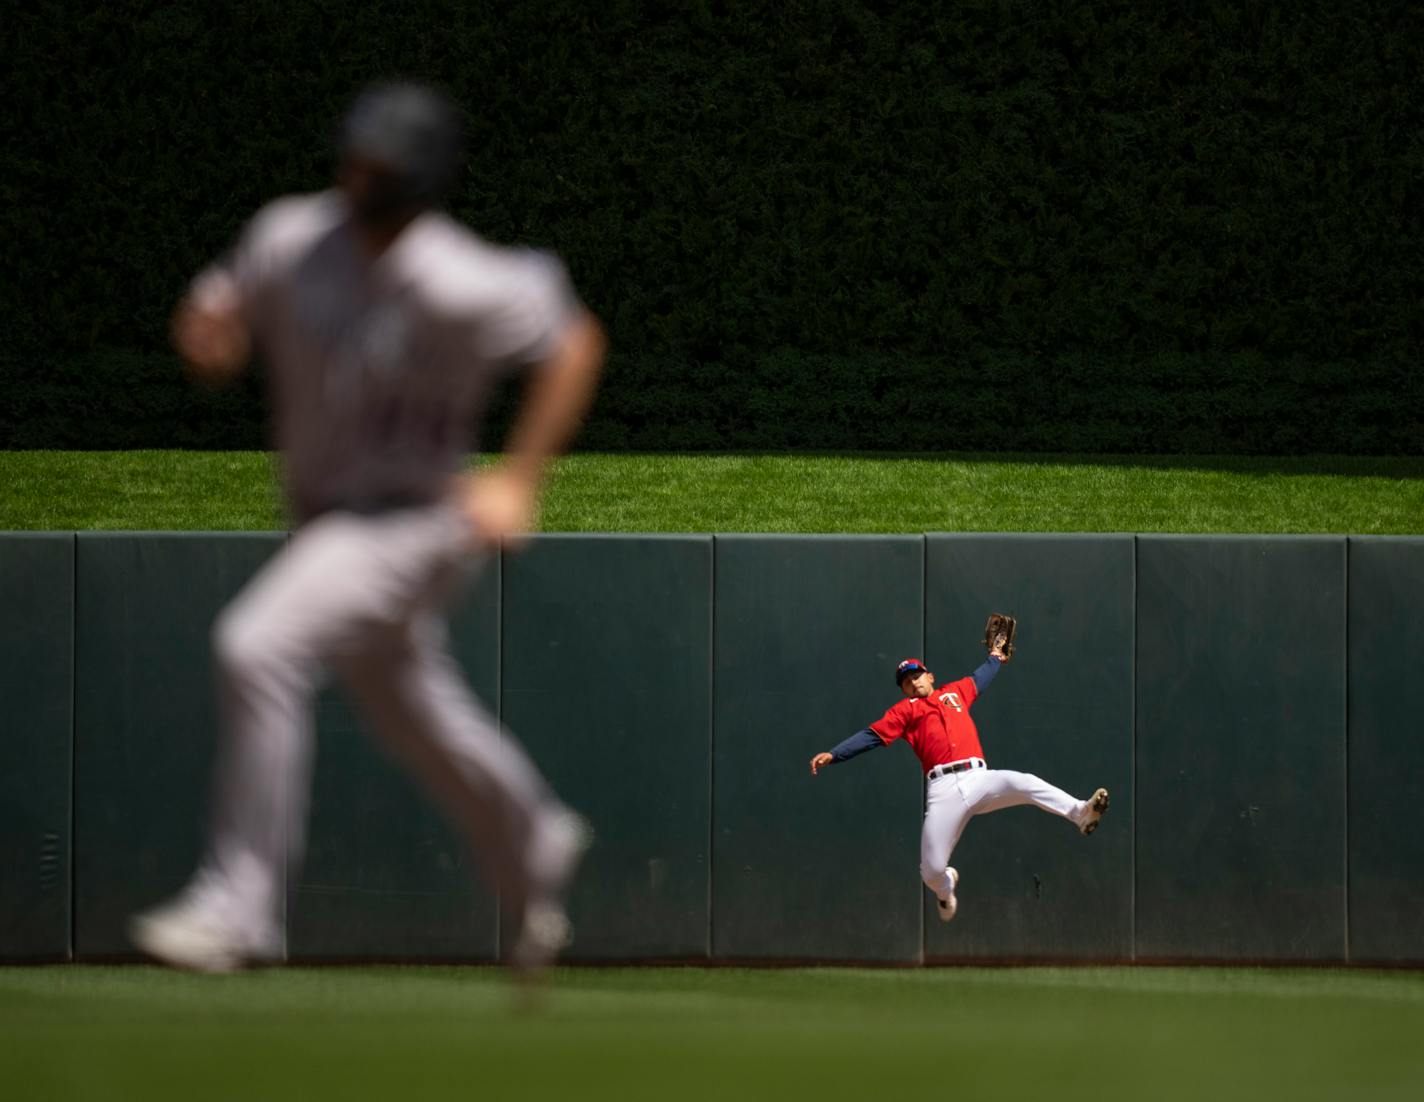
x=908, y=667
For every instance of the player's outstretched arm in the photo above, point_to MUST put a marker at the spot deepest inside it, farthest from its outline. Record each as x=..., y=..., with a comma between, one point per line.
x=209, y=330
x=998, y=637
x=858, y=743
x=986, y=672
x=500, y=501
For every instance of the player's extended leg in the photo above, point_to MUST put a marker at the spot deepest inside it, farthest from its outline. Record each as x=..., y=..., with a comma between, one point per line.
x=1001, y=788
x=338, y=579
x=946, y=813
x=413, y=693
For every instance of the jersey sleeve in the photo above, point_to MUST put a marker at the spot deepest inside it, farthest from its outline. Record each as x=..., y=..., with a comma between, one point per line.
x=521, y=324
x=893, y=723
x=967, y=689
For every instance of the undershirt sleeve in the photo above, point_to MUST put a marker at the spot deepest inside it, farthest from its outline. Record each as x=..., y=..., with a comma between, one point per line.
x=985, y=674
x=858, y=743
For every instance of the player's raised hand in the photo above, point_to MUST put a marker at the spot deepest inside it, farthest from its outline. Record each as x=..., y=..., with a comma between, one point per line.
x=499, y=503
x=999, y=636
x=210, y=333
x=819, y=761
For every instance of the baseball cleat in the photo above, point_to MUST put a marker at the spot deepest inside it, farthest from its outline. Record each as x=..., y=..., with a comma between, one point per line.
x=1096, y=806
x=544, y=932
x=948, y=907
x=562, y=839
x=184, y=935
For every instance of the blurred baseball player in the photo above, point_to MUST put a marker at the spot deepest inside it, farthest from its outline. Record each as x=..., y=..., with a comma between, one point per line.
x=937, y=725
x=385, y=325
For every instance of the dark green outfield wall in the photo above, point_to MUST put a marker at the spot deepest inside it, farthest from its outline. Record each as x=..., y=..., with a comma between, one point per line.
x=1253, y=704
x=809, y=629
x=1090, y=225
x=36, y=745
x=1063, y=710
x=144, y=715
x=385, y=876
x=1385, y=721
x=1241, y=747
x=606, y=660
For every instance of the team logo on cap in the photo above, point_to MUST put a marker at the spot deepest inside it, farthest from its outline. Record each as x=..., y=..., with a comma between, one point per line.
x=906, y=666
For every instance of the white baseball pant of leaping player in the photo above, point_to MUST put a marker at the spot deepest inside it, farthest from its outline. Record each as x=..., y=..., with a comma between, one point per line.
x=952, y=799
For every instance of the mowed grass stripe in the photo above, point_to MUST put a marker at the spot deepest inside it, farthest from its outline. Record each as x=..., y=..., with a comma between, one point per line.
x=227, y=491
x=691, y=1033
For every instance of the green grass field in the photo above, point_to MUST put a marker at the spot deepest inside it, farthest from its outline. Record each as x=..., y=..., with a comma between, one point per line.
x=224, y=491
x=96, y=1033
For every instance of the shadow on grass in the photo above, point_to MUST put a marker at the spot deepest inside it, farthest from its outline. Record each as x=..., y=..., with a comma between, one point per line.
x=1371, y=466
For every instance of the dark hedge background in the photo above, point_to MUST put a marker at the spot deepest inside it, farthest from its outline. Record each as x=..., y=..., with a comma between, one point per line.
x=1027, y=225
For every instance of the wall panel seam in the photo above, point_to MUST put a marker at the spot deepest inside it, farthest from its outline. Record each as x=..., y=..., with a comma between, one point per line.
x=1345, y=750
x=924, y=633
x=1132, y=750
x=73, y=730
x=711, y=732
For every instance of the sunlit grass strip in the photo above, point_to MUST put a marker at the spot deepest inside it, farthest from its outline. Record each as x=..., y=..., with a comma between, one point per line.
x=225, y=491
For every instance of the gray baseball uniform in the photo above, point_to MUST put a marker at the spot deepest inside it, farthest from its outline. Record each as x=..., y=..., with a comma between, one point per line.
x=380, y=369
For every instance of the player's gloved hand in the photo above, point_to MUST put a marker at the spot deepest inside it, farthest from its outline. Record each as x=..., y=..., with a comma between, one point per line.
x=499, y=504
x=999, y=636
x=819, y=761
x=209, y=331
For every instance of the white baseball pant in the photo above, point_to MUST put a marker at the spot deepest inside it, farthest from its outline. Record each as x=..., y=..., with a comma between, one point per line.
x=952, y=799
x=361, y=595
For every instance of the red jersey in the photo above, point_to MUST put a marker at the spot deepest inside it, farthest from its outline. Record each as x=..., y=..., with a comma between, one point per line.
x=937, y=727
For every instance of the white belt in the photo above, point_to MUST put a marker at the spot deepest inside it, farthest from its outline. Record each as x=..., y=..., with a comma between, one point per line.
x=956, y=767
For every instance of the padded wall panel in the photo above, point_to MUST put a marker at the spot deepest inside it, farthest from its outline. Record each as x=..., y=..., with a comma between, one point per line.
x=1386, y=758
x=145, y=716
x=386, y=874
x=607, y=681
x=1241, y=748
x=808, y=632
x=36, y=731
x=1030, y=884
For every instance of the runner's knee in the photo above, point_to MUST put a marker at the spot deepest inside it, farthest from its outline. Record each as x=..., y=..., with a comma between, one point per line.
x=246, y=650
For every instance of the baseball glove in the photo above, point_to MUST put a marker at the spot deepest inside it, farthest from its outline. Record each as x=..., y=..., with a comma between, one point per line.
x=999, y=631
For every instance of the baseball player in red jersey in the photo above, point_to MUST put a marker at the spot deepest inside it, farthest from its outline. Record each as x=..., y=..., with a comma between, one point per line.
x=937, y=725
x=385, y=325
